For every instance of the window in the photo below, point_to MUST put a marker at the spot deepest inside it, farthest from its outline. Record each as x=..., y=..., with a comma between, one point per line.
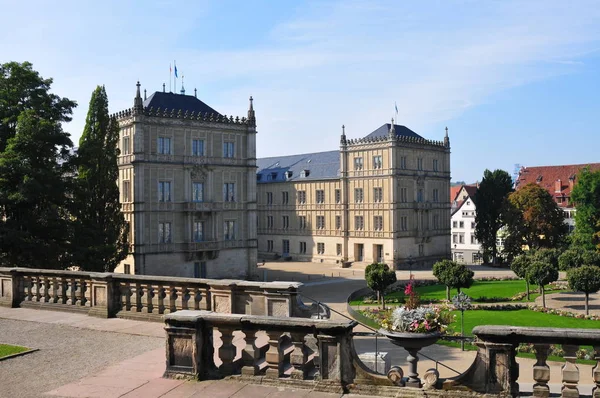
x=284, y=197
x=127, y=269
x=320, y=248
x=472, y=225
x=198, y=231
x=320, y=196
x=126, y=191
x=461, y=224
x=403, y=162
x=200, y=269
x=419, y=163
x=421, y=250
x=404, y=195
x=285, y=244
x=359, y=223
x=164, y=145
x=197, y=147
x=454, y=238
x=377, y=162
x=269, y=198
x=378, y=223
x=320, y=222
x=473, y=240
x=269, y=245
x=164, y=191
x=301, y=197
x=228, y=149
x=461, y=238
x=229, y=192
x=338, y=196
x=436, y=221
x=436, y=194
x=164, y=232
x=358, y=163
x=285, y=222
x=435, y=165
x=378, y=194
x=454, y=224
x=269, y=221
x=197, y=192
x=419, y=195
x=358, y=195
x=338, y=222
x=302, y=247
x=302, y=222
x=338, y=249
x=229, y=230
x=125, y=146
x=404, y=223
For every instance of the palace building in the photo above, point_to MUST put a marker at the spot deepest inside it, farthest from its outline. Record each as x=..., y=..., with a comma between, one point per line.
x=381, y=198
x=188, y=188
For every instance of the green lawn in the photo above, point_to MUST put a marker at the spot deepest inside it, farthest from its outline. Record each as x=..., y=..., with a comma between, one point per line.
x=6, y=349
x=519, y=318
x=488, y=289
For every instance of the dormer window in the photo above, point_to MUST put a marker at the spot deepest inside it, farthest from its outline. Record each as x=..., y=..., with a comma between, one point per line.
x=288, y=174
x=273, y=176
x=539, y=179
x=305, y=173
x=258, y=177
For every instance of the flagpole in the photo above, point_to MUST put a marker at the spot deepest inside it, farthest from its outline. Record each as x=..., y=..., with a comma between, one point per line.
x=175, y=77
x=170, y=72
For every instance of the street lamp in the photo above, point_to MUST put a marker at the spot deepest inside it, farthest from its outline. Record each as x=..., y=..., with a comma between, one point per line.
x=410, y=263
x=395, y=259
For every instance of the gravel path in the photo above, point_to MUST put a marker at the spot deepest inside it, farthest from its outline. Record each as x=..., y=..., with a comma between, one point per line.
x=65, y=354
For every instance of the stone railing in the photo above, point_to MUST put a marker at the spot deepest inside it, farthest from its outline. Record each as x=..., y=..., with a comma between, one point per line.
x=495, y=370
x=145, y=297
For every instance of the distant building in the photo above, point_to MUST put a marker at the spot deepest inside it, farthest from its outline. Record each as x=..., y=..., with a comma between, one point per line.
x=558, y=181
x=381, y=198
x=188, y=188
x=465, y=247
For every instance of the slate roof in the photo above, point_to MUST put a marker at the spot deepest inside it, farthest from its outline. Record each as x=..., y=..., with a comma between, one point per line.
x=547, y=176
x=384, y=130
x=321, y=165
x=170, y=101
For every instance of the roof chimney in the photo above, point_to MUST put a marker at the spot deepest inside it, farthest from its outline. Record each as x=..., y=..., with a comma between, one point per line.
x=163, y=87
x=557, y=186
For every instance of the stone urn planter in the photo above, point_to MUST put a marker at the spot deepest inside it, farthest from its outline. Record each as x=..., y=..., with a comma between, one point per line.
x=412, y=342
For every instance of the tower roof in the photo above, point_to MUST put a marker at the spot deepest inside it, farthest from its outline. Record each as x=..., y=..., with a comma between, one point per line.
x=384, y=130
x=178, y=101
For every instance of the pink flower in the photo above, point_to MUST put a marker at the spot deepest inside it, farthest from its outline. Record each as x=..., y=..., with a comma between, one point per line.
x=408, y=289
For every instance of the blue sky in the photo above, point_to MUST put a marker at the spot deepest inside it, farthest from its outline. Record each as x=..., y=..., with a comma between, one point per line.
x=514, y=81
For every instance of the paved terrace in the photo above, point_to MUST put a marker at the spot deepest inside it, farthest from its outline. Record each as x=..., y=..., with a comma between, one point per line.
x=82, y=356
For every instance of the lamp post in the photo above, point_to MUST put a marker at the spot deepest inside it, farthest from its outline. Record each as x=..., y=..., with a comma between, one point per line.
x=395, y=259
x=410, y=263
x=454, y=254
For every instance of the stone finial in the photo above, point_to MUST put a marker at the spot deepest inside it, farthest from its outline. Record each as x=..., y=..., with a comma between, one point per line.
x=195, y=92
x=392, y=132
x=343, y=140
x=251, y=114
x=447, y=139
x=137, y=102
x=163, y=87
x=144, y=94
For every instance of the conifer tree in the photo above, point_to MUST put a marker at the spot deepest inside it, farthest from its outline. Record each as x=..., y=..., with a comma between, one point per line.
x=101, y=230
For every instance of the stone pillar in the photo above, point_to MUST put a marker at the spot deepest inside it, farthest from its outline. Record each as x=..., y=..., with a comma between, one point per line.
x=570, y=372
x=596, y=373
x=413, y=375
x=105, y=298
x=184, y=351
x=10, y=294
x=222, y=300
x=298, y=356
x=541, y=371
x=277, y=305
x=272, y=357
x=328, y=357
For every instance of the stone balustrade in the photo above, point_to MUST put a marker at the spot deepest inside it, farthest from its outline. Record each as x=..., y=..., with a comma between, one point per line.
x=145, y=297
x=495, y=370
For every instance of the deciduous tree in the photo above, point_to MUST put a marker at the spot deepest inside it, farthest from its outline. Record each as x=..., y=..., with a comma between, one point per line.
x=519, y=266
x=586, y=195
x=585, y=279
x=490, y=201
x=379, y=277
x=541, y=273
x=453, y=275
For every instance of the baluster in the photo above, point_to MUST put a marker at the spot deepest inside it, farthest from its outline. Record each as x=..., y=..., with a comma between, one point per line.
x=172, y=299
x=197, y=298
x=185, y=298
x=298, y=356
x=144, y=298
x=36, y=288
x=596, y=373
x=570, y=372
x=125, y=290
x=86, y=293
x=28, y=286
x=272, y=357
x=250, y=354
x=160, y=299
x=227, y=351
x=44, y=287
x=62, y=290
x=53, y=290
x=137, y=298
x=71, y=298
x=541, y=371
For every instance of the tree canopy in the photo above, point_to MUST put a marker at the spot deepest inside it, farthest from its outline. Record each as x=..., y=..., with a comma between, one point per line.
x=453, y=275
x=586, y=196
x=490, y=202
x=379, y=277
x=576, y=257
x=100, y=227
x=585, y=279
x=541, y=273
x=534, y=220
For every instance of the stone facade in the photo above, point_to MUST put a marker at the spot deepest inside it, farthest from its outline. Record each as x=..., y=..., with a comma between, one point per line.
x=188, y=188
x=382, y=198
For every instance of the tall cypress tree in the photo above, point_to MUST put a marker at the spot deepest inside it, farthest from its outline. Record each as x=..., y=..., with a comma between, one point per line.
x=101, y=230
